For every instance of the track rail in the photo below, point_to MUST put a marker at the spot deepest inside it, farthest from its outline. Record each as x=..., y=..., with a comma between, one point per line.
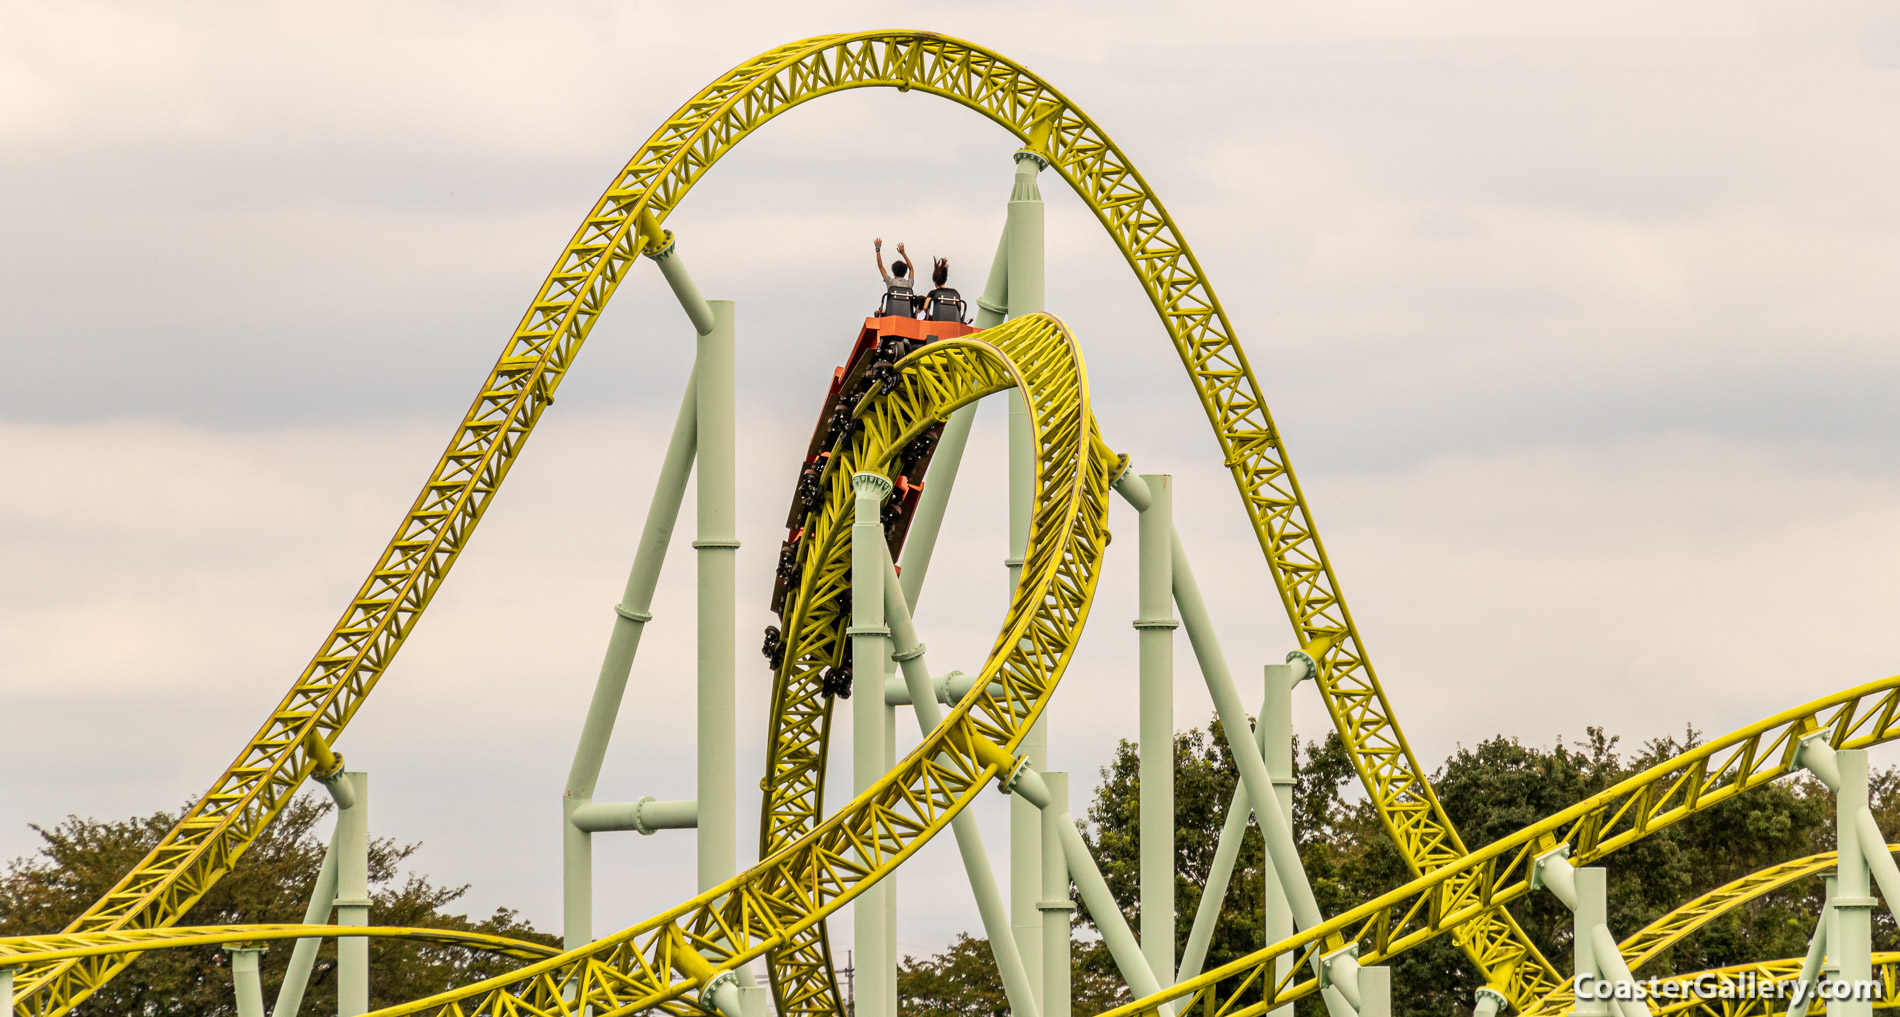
x=46, y=949
x=1643, y=945
x=1499, y=873
x=775, y=906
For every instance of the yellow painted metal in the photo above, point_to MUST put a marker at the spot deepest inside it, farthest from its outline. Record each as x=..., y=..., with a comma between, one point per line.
x=779, y=905
x=1659, y=935
x=627, y=218
x=1499, y=873
x=27, y=950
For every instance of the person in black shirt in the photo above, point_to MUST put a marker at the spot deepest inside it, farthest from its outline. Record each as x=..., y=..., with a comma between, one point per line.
x=942, y=303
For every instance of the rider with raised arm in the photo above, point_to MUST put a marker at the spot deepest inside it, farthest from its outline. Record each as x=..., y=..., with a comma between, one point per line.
x=900, y=296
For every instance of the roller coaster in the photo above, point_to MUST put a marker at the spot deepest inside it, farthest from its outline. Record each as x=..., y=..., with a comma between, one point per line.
x=864, y=519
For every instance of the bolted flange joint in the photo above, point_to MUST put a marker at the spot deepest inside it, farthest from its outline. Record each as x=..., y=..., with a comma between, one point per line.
x=719, y=981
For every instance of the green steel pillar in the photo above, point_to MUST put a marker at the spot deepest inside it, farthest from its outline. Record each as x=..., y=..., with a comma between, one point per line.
x=244, y=978
x=869, y=650
x=1024, y=242
x=303, y=956
x=352, y=900
x=717, y=546
x=630, y=618
x=1831, y=923
x=1226, y=852
x=1375, y=991
x=1057, y=967
x=1281, y=849
x=889, y=748
x=1589, y=909
x=1854, y=905
x=1276, y=745
x=6, y=990
x=992, y=308
x=1154, y=625
x=908, y=651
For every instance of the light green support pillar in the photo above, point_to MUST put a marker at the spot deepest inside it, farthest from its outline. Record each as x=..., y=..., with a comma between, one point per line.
x=921, y=541
x=1375, y=991
x=1588, y=910
x=890, y=761
x=992, y=308
x=1281, y=849
x=1831, y=969
x=1854, y=903
x=352, y=900
x=610, y=688
x=1024, y=240
x=908, y=651
x=870, y=648
x=1057, y=966
x=1226, y=851
x=717, y=546
x=245, y=979
x=1811, y=964
x=1276, y=745
x=304, y=954
x=6, y=990
x=1154, y=625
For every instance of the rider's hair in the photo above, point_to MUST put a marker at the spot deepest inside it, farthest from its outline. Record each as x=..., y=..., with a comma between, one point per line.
x=898, y=269
x=941, y=273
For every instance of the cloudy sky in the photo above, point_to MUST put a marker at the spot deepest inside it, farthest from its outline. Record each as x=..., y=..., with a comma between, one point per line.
x=1580, y=321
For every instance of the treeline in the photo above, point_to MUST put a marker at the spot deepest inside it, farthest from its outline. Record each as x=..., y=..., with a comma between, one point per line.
x=1489, y=791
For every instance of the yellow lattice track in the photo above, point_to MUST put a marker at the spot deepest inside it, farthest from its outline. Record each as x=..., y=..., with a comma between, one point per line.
x=813, y=865
x=1646, y=943
x=1499, y=873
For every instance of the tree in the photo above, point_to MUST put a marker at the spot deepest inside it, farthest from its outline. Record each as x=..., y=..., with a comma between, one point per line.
x=80, y=859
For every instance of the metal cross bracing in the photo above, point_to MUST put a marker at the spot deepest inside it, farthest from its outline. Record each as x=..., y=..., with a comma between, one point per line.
x=1500, y=872
x=1650, y=941
x=778, y=904
x=813, y=865
x=227, y=819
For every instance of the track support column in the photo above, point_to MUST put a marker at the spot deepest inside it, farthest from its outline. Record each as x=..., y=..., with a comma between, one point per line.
x=303, y=956
x=1854, y=905
x=1057, y=966
x=352, y=899
x=1154, y=625
x=1024, y=239
x=6, y=990
x=631, y=615
x=908, y=651
x=870, y=649
x=245, y=979
x=1276, y=745
x=716, y=547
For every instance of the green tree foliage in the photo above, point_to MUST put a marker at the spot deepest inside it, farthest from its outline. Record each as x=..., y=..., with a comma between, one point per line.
x=1490, y=791
x=80, y=859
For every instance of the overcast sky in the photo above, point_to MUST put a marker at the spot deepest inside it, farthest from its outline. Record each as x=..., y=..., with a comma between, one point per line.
x=1579, y=320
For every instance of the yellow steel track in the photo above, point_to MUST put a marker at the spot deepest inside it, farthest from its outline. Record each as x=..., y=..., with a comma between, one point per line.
x=27, y=950
x=1644, y=944
x=813, y=865
x=1499, y=873
x=774, y=907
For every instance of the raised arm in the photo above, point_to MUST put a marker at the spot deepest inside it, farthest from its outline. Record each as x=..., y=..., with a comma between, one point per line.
x=879, y=246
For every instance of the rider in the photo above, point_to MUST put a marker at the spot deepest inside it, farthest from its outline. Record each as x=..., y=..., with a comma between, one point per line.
x=900, y=298
x=943, y=303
